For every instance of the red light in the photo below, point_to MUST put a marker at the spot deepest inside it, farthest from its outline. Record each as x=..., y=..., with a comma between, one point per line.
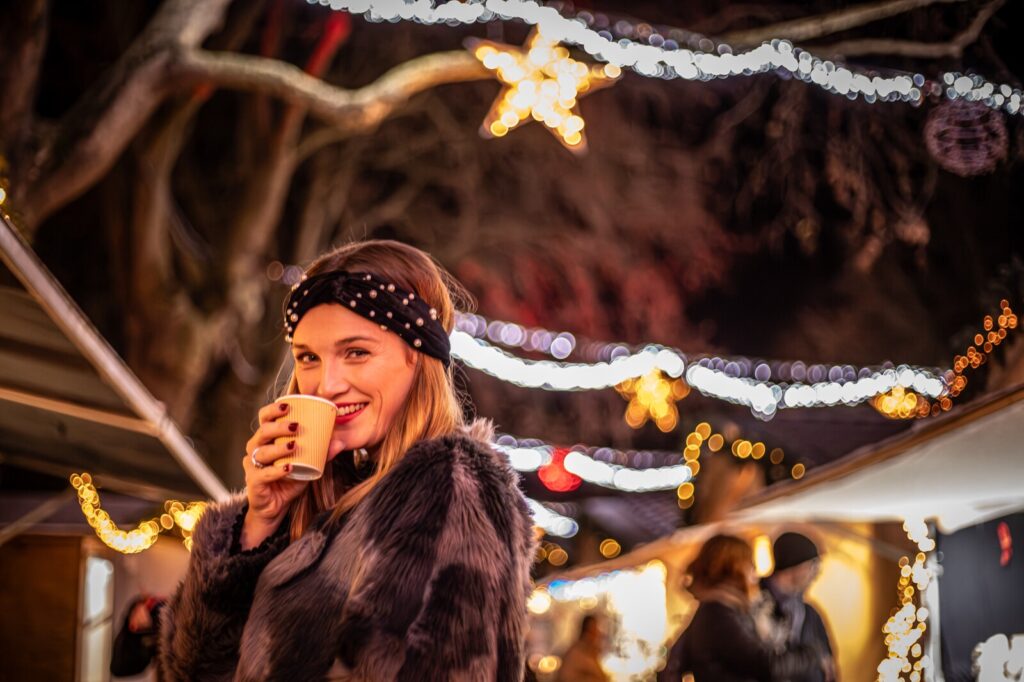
x=1005, y=543
x=554, y=475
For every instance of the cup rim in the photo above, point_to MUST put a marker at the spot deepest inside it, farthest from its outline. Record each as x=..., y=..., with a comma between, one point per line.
x=306, y=397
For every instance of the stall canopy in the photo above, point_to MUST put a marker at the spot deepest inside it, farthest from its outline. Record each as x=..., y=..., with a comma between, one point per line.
x=69, y=403
x=960, y=469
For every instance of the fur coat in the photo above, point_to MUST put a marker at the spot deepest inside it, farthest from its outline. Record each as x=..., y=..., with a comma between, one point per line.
x=427, y=579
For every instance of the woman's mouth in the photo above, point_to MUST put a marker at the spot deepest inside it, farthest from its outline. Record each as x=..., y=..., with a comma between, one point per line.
x=348, y=412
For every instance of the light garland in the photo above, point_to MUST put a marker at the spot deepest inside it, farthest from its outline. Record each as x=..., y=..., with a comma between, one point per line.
x=551, y=522
x=666, y=58
x=542, y=82
x=555, y=376
x=145, y=534
x=647, y=471
x=714, y=377
x=907, y=626
x=900, y=404
x=591, y=465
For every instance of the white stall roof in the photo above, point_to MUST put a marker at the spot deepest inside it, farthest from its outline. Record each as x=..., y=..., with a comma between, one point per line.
x=960, y=469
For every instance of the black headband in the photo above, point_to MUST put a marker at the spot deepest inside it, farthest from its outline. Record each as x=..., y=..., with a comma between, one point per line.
x=394, y=309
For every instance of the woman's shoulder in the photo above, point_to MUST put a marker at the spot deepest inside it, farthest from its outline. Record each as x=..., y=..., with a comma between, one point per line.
x=467, y=454
x=460, y=468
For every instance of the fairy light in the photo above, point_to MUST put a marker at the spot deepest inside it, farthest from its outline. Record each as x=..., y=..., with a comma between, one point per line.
x=542, y=83
x=904, y=404
x=994, y=331
x=555, y=376
x=647, y=470
x=551, y=521
x=145, y=534
x=653, y=397
x=906, y=627
x=738, y=380
x=664, y=57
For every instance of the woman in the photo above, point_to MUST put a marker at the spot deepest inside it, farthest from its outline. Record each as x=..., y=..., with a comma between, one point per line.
x=409, y=559
x=725, y=641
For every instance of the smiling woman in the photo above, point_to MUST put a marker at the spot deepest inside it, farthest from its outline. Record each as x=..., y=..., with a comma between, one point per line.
x=413, y=565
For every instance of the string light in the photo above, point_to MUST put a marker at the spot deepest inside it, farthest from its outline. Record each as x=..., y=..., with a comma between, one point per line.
x=556, y=376
x=908, y=624
x=653, y=397
x=901, y=404
x=594, y=465
x=664, y=57
x=737, y=380
x=633, y=471
x=542, y=83
x=145, y=534
x=551, y=521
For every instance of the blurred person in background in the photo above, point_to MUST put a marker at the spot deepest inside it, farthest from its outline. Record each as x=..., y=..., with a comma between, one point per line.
x=136, y=641
x=582, y=661
x=797, y=563
x=730, y=639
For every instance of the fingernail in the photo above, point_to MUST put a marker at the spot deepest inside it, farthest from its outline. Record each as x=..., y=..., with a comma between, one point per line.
x=287, y=468
x=293, y=427
x=283, y=406
x=291, y=445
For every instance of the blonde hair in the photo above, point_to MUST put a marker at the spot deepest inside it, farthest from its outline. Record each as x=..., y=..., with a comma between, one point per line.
x=433, y=407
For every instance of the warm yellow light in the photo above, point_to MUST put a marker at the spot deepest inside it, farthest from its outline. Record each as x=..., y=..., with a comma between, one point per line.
x=143, y=536
x=764, y=560
x=558, y=556
x=716, y=442
x=798, y=471
x=610, y=548
x=539, y=602
x=549, y=664
x=543, y=83
x=685, y=491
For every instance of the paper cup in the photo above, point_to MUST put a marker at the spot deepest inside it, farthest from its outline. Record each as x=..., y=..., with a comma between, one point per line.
x=315, y=417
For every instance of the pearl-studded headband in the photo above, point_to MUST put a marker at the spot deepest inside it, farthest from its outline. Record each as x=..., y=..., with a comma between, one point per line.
x=393, y=308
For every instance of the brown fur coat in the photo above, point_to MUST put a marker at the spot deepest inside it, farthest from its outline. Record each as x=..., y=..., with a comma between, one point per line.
x=426, y=580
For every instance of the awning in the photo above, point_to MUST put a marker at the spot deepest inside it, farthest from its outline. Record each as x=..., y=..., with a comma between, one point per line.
x=69, y=403
x=960, y=469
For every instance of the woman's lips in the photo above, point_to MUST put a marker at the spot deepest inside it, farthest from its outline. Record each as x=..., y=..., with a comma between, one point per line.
x=346, y=418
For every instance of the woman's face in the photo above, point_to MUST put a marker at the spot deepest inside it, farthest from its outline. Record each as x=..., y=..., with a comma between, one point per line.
x=351, y=361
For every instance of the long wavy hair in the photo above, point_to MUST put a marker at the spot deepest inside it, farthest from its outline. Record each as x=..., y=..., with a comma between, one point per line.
x=433, y=407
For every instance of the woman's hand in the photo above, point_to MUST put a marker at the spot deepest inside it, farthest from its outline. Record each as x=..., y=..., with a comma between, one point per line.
x=269, y=490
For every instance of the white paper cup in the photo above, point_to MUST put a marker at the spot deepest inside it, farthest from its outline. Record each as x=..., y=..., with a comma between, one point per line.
x=315, y=417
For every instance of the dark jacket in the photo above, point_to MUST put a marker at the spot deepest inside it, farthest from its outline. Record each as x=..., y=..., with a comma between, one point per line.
x=721, y=644
x=426, y=580
x=803, y=626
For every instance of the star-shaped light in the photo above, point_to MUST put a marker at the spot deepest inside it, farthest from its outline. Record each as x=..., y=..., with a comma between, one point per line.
x=542, y=82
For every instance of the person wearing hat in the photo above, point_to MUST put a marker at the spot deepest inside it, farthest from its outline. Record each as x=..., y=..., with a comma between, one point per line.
x=797, y=562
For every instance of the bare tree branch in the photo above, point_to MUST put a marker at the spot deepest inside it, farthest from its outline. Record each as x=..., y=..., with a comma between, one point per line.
x=23, y=34
x=908, y=48
x=809, y=28
x=358, y=110
x=92, y=135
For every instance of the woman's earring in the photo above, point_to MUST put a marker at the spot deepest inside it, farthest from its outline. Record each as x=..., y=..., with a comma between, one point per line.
x=359, y=457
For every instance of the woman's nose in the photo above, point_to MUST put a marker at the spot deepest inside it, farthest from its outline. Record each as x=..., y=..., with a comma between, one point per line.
x=334, y=380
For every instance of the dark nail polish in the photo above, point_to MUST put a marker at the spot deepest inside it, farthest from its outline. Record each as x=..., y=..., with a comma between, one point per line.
x=287, y=468
x=291, y=445
x=283, y=406
x=293, y=427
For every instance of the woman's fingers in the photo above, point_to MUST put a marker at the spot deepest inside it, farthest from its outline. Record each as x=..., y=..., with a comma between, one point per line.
x=268, y=432
x=272, y=411
x=270, y=453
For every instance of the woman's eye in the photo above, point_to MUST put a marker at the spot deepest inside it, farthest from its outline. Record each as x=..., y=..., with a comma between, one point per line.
x=306, y=357
x=357, y=353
